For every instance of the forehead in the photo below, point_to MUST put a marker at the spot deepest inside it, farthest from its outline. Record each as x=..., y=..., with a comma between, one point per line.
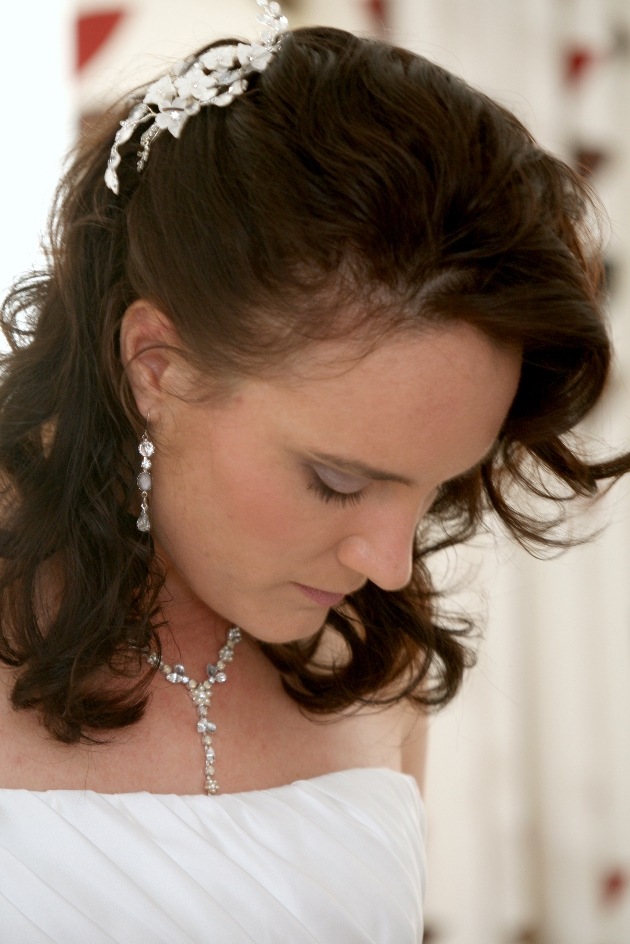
x=434, y=399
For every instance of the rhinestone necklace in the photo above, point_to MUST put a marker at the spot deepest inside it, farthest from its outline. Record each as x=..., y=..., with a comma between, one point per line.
x=201, y=696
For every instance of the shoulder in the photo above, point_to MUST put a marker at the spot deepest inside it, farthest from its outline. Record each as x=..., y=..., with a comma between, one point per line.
x=394, y=736
x=414, y=735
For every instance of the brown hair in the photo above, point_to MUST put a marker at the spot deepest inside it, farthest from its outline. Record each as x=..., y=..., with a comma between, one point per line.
x=350, y=171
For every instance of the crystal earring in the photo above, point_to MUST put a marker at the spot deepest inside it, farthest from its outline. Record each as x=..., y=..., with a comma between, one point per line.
x=146, y=450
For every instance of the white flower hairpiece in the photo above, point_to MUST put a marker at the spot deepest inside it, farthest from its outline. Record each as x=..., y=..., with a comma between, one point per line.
x=215, y=78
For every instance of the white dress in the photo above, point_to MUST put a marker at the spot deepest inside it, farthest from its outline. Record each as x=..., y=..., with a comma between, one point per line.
x=338, y=859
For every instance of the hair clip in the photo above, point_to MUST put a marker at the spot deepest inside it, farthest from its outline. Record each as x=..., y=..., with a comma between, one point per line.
x=217, y=77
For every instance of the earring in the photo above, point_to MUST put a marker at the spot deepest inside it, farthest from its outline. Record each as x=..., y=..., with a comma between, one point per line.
x=146, y=450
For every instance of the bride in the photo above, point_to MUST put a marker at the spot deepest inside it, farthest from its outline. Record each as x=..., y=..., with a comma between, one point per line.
x=312, y=310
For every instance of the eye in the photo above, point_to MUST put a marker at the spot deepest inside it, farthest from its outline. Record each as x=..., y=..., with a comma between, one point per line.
x=343, y=494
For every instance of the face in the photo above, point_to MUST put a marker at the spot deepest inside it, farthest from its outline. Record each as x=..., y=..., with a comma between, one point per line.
x=272, y=505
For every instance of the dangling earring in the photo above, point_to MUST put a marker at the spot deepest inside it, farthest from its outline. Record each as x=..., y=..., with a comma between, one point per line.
x=146, y=450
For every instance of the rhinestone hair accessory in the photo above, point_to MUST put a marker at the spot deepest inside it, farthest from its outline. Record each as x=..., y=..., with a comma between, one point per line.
x=200, y=694
x=217, y=77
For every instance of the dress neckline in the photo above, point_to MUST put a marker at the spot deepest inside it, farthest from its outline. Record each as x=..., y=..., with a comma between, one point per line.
x=303, y=782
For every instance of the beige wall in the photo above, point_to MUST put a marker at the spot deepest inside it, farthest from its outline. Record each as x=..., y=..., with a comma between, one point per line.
x=529, y=781
x=38, y=126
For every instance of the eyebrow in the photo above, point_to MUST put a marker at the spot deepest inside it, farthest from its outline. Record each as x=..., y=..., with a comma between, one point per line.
x=364, y=470
x=361, y=469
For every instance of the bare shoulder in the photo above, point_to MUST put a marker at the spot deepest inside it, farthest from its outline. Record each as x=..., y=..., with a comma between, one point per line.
x=414, y=733
x=396, y=735
x=14, y=734
x=30, y=759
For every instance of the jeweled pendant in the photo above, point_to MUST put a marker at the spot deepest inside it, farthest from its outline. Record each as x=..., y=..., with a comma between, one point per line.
x=146, y=447
x=143, y=523
x=144, y=481
x=200, y=693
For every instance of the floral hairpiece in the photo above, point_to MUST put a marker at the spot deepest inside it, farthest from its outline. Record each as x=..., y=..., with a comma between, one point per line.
x=215, y=78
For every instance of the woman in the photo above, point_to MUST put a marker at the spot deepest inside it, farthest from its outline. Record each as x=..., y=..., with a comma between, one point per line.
x=284, y=350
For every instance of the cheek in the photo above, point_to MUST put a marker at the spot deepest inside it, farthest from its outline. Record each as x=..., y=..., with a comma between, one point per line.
x=267, y=511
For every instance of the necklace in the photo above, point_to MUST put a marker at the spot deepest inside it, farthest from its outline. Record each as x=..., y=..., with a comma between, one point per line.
x=201, y=696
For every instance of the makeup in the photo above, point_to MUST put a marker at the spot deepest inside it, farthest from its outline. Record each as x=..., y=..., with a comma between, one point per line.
x=321, y=597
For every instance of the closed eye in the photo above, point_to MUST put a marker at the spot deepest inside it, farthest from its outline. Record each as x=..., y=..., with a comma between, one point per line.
x=343, y=494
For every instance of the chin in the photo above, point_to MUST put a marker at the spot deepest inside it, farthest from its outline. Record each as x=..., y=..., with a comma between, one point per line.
x=299, y=626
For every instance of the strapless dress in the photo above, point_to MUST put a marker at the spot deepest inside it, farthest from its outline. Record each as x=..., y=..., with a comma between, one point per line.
x=338, y=859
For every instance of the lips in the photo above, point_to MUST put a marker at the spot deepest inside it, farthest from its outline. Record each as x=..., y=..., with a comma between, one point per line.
x=321, y=597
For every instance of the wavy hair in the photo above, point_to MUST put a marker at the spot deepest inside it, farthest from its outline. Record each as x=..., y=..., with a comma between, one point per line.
x=355, y=187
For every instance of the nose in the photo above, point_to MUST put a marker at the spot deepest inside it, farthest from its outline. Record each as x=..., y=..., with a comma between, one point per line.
x=381, y=550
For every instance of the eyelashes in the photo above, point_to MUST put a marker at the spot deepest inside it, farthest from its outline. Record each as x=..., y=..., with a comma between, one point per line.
x=328, y=494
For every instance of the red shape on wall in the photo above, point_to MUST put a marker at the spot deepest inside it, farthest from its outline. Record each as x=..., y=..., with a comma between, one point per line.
x=614, y=885
x=378, y=9
x=577, y=62
x=589, y=160
x=93, y=31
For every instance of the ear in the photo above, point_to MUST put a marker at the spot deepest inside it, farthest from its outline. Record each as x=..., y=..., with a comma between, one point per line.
x=148, y=351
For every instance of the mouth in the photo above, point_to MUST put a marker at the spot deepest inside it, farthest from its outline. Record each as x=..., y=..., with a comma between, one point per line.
x=321, y=597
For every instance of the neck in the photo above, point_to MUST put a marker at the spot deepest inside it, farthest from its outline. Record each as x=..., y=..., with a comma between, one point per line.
x=192, y=633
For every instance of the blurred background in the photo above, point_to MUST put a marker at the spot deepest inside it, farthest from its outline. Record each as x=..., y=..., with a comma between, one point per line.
x=528, y=787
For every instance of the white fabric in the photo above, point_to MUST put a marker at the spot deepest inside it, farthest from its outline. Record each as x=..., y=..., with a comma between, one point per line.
x=337, y=859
